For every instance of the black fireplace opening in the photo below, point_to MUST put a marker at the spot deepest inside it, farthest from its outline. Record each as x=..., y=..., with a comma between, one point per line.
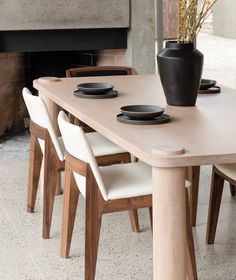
x=54, y=64
x=47, y=53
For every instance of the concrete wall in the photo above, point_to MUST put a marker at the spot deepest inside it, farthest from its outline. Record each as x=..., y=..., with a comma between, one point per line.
x=224, y=18
x=60, y=14
x=137, y=15
x=141, y=40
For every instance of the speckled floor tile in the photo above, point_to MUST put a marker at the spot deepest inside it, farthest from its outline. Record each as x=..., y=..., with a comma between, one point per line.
x=122, y=254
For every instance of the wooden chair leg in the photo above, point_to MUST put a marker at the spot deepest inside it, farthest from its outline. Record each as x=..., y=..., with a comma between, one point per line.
x=35, y=162
x=93, y=219
x=70, y=202
x=49, y=187
x=135, y=159
x=191, y=260
x=194, y=193
x=150, y=215
x=232, y=189
x=217, y=184
x=71, y=118
x=133, y=215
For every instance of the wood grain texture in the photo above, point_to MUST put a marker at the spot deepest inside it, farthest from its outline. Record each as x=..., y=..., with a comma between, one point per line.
x=35, y=162
x=12, y=67
x=198, y=129
x=194, y=193
x=217, y=184
x=170, y=19
x=73, y=71
x=52, y=165
x=95, y=207
x=133, y=216
x=169, y=223
x=70, y=202
x=191, y=260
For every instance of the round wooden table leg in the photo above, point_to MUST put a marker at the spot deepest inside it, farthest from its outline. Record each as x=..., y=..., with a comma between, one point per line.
x=169, y=223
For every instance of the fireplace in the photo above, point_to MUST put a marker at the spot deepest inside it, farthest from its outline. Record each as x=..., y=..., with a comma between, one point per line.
x=47, y=37
x=42, y=34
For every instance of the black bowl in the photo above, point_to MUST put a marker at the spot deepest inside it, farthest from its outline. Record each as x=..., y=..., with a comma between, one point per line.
x=142, y=112
x=95, y=88
x=206, y=84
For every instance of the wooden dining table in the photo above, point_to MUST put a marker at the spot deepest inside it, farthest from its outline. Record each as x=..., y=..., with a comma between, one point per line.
x=200, y=135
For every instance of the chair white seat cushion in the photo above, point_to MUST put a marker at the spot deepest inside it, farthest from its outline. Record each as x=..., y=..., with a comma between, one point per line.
x=124, y=180
x=102, y=146
x=115, y=181
x=228, y=169
x=127, y=180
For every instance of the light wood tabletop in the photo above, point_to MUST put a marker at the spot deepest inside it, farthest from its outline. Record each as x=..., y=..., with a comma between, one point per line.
x=204, y=134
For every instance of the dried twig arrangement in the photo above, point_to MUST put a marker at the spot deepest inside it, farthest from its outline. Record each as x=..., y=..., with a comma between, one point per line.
x=192, y=17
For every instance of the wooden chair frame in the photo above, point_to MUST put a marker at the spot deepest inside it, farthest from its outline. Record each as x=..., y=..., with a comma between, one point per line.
x=53, y=165
x=193, y=175
x=72, y=72
x=217, y=185
x=96, y=206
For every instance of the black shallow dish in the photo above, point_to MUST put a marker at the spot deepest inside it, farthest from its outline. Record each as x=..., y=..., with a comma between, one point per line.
x=142, y=112
x=95, y=88
x=109, y=94
x=206, y=84
x=211, y=90
x=157, y=120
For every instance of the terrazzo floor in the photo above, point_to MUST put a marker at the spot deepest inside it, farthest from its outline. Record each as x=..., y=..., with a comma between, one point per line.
x=123, y=255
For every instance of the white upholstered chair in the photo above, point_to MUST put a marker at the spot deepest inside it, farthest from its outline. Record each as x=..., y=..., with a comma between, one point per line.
x=220, y=174
x=45, y=144
x=105, y=189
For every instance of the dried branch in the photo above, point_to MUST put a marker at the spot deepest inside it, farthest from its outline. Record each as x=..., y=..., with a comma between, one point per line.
x=191, y=18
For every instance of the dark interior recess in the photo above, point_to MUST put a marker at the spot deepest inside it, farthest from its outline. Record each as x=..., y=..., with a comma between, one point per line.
x=63, y=40
x=55, y=64
x=51, y=53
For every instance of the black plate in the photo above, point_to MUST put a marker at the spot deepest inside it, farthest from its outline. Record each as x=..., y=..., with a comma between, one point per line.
x=95, y=88
x=109, y=94
x=158, y=120
x=211, y=90
x=142, y=112
x=205, y=84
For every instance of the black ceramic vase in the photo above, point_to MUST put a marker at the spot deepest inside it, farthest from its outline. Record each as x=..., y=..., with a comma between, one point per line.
x=180, y=69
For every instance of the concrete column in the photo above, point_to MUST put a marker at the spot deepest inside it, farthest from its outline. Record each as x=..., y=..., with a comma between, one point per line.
x=141, y=37
x=224, y=19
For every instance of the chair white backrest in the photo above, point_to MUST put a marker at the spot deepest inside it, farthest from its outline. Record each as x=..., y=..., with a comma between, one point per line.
x=39, y=115
x=77, y=145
